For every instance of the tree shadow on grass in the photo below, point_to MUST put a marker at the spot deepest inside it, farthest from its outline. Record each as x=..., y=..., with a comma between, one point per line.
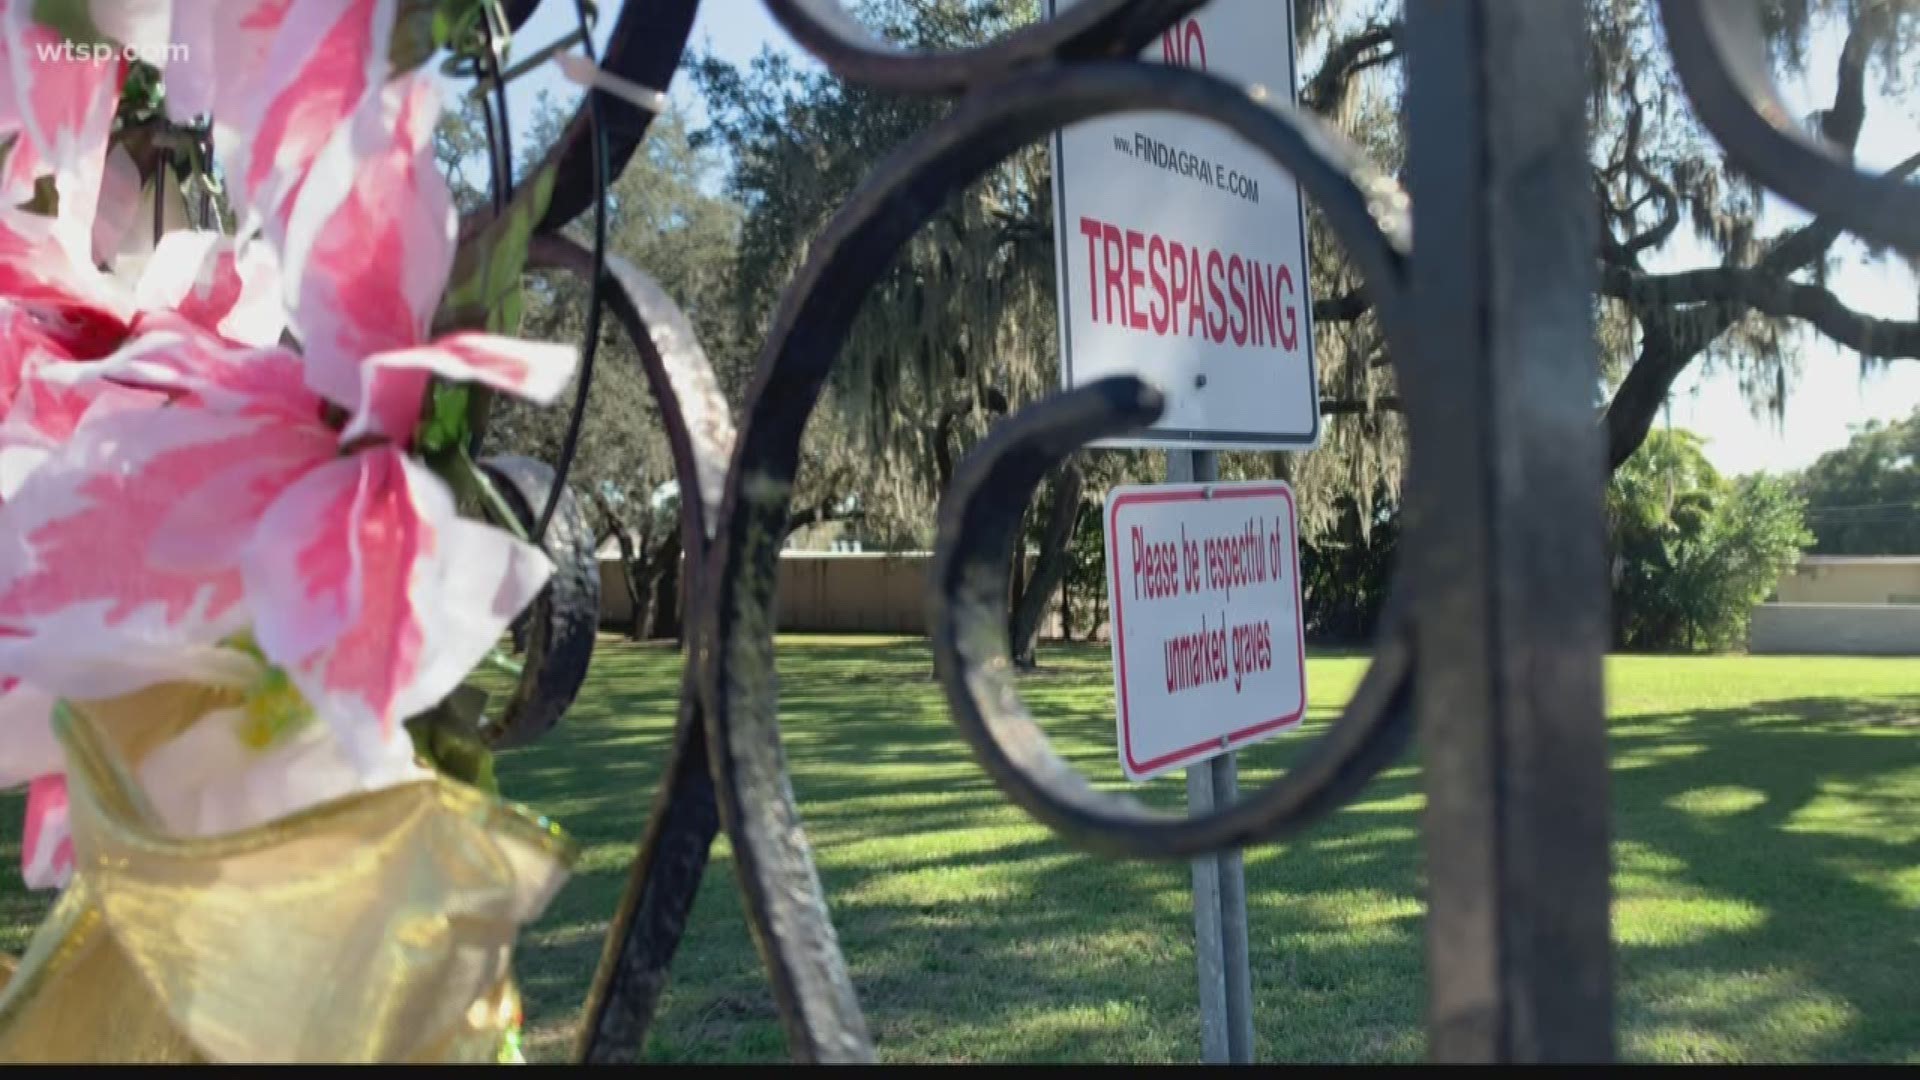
x=1746, y=926
x=1769, y=854
x=1765, y=877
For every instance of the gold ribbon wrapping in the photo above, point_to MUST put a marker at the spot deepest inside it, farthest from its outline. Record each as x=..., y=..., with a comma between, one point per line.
x=377, y=927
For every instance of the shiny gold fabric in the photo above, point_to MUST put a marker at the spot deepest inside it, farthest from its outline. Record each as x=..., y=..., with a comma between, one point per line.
x=374, y=928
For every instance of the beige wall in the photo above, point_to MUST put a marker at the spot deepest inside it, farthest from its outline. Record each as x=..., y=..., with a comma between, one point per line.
x=1836, y=629
x=863, y=593
x=616, y=607
x=867, y=593
x=1841, y=580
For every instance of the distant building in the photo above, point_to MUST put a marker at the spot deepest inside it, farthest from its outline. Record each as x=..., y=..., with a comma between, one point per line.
x=1843, y=604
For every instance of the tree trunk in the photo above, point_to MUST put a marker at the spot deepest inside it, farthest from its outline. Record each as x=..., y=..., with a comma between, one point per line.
x=666, y=596
x=630, y=566
x=1063, y=517
x=656, y=585
x=1017, y=578
x=629, y=573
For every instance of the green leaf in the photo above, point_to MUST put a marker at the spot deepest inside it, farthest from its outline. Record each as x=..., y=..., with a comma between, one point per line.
x=484, y=288
x=457, y=25
x=446, y=424
x=448, y=736
x=473, y=490
x=415, y=34
x=72, y=19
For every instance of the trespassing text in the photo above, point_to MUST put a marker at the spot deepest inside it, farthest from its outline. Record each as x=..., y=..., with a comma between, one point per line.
x=1149, y=283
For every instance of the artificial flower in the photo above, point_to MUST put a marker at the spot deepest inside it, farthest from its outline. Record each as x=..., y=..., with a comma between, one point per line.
x=153, y=534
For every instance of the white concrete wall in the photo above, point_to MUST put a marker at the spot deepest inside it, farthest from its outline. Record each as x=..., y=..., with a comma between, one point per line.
x=1836, y=629
x=1843, y=579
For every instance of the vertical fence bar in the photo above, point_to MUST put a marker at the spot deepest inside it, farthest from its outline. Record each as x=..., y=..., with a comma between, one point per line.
x=1505, y=543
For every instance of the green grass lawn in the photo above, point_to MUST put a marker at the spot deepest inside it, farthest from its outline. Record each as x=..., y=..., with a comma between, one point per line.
x=1767, y=872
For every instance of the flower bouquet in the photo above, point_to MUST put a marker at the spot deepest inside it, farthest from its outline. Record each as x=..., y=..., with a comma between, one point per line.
x=233, y=563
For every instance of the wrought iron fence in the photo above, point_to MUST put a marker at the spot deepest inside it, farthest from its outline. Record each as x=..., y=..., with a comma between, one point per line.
x=1491, y=649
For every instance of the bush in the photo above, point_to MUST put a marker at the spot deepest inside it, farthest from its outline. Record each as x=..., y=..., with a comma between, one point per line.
x=1693, y=551
x=1345, y=573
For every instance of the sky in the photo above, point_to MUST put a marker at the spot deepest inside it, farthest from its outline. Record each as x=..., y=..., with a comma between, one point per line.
x=1829, y=394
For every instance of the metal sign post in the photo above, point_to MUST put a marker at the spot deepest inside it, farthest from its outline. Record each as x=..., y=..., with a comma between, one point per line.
x=1219, y=881
x=1183, y=258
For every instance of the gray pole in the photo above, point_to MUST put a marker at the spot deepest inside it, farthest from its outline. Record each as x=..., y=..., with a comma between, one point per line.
x=1219, y=881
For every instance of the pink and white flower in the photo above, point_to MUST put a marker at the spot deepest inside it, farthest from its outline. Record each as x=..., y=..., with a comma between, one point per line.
x=170, y=477
x=241, y=507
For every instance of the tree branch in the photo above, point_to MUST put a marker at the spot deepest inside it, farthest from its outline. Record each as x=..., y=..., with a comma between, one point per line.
x=1772, y=295
x=1357, y=406
x=995, y=402
x=1841, y=124
x=1343, y=308
x=1630, y=413
x=1796, y=249
x=1666, y=350
x=820, y=514
x=1345, y=59
x=1669, y=213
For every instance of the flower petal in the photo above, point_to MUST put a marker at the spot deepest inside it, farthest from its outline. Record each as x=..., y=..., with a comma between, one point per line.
x=114, y=221
x=84, y=609
x=66, y=102
x=81, y=307
x=22, y=166
x=370, y=241
x=46, y=855
x=394, y=383
x=26, y=730
x=212, y=283
x=206, y=781
x=303, y=566
x=323, y=60
x=432, y=594
x=140, y=25
x=52, y=402
x=219, y=56
x=176, y=357
x=24, y=346
x=210, y=527
x=48, y=400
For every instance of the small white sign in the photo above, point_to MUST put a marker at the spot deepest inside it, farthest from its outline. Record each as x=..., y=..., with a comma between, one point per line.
x=1203, y=595
x=1182, y=250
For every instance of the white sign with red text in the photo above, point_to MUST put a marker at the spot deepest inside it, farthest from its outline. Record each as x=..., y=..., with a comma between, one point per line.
x=1203, y=590
x=1182, y=251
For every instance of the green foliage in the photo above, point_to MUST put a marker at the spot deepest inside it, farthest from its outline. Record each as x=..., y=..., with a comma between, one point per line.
x=1346, y=569
x=963, y=315
x=423, y=27
x=448, y=736
x=446, y=423
x=72, y=19
x=1692, y=551
x=967, y=307
x=1864, y=499
x=664, y=219
x=1085, y=585
x=483, y=288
